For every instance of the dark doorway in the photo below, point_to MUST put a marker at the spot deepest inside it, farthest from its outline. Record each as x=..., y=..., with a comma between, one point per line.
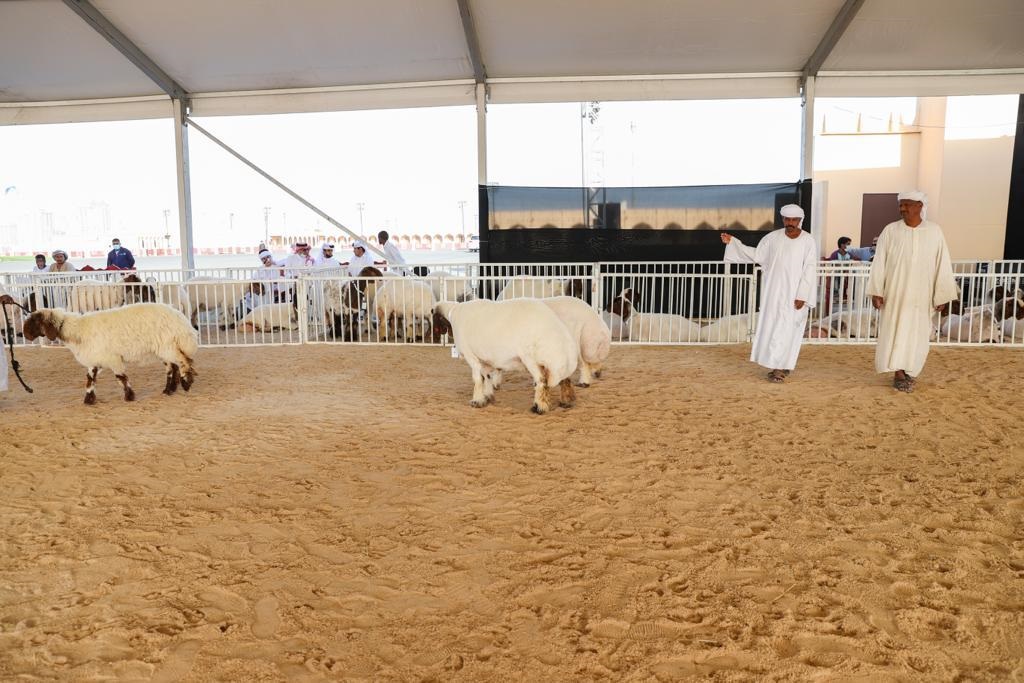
x=878, y=210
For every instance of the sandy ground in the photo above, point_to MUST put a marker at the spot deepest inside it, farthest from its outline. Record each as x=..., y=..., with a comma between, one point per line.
x=327, y=513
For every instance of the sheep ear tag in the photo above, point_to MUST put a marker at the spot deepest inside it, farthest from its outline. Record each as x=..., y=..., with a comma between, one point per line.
x=455, y=352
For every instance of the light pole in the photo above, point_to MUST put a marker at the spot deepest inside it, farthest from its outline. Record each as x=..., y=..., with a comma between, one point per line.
x=167, y=231
x=361, y=206
x=266, y=225
x=462, y=210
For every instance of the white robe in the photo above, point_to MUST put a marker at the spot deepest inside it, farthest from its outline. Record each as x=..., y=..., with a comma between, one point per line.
x=4, y=351
x=394, y=257
x=913, y=273
x=322, y=261
x=789, y=274
x=357, y=263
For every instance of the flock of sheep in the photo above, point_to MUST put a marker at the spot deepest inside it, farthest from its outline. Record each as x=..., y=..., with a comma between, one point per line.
x=540, y=325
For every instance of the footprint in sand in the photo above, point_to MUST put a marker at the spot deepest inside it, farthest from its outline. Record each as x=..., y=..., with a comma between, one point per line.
x=178, y=663
x=267, y=621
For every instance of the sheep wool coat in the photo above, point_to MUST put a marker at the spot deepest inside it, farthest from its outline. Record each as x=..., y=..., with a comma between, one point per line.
x=789, y=274
x=913, y=273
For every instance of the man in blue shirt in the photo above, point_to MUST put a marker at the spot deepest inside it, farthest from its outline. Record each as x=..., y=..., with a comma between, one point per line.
x=120, y=257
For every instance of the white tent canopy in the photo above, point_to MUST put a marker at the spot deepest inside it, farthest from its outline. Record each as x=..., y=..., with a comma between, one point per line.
x=267, y=56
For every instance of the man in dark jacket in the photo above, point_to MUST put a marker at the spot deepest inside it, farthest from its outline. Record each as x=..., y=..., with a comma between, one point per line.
x=119, y=256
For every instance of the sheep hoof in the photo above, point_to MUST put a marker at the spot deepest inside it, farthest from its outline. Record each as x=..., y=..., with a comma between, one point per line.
x=583, y=385
x=129, y=395
x=566, y=404
x=537, y=409
x=478, y=404
x=90, y=399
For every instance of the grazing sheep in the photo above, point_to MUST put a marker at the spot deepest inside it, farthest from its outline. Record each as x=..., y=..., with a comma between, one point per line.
x=496, y=336
x=342, y=303
x=591, y=334
x=406, y=301
x=110, y=339
x=523, y=287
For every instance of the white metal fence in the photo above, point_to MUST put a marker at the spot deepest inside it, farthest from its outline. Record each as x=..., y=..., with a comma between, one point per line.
x=668, y=303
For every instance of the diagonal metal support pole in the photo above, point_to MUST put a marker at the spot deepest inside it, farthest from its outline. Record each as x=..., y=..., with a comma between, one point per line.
x=472, y=42
x=294, y=195
x=828, y=41
x=102, y=25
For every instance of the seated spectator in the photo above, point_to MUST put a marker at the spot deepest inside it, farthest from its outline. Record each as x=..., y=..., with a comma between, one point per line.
x=61, y=263
x=40, y=266
x=360, y=259
x=298, y=261
x=842, y=253
x=326, y=257
x=268, y=271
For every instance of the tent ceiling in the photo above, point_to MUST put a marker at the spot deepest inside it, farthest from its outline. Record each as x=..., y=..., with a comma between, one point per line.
x=262, y=56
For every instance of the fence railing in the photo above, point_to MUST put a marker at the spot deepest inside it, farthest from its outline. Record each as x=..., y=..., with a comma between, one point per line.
x=669, y=303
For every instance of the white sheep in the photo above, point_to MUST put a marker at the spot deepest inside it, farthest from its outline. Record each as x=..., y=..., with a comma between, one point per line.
x=94, y=295
x=173, y=294
x=592, y=335
x=627, y=323
x=220, y=294
x=975, y=327
x=729, y=329
x=270, y=317
x=407, y=300
x=1012, y=313
x=857, y=323
x=448, y=287
x=109, y=339
x=496, y=336
x=523, y=287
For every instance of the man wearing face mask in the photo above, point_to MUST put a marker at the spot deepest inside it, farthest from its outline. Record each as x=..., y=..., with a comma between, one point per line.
x=120, y=257
x=789, y=258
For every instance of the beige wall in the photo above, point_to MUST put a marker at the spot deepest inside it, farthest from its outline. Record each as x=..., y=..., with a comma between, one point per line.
x=967, y=181
x=975, y=192
x=846, y=188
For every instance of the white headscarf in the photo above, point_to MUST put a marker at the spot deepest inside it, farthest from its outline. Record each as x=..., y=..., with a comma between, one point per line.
x=915, y=196
x=793, y=211
x=357, y=263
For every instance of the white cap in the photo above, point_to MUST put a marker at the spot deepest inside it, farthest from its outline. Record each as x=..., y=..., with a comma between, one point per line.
x=359, y=243
x=265, y=253
x=912, y=196
x=792, y=211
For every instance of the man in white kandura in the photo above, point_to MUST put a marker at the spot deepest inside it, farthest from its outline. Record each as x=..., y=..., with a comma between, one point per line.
x=910, y=277
x=789, y=258
x=5, y=299
x=396, y=262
